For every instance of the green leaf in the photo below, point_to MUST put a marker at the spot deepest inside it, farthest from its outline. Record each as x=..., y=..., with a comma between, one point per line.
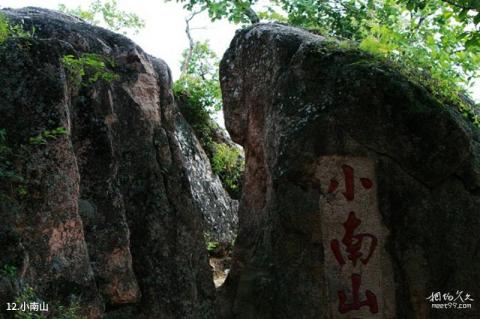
x=476, y=19
x=462, y=16
x=473, y=42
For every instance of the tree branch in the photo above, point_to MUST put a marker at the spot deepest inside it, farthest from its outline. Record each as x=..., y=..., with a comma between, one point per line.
x=249, y=13
x=191, y=42
x=252, y=15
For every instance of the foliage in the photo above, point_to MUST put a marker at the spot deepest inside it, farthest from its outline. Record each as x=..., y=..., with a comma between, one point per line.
x=228, y=164
x=431, y=38
x=199, y=91
x=336, y=15
x=203, y=93
x=4, y=28
x=203, y=61
x=9, y=271
x=70, y=312
x=92, y=65
x=8, y=30
x=210, y=242
x=201, y=77
x=199, y=96
x=28, y=295
x=434, y=42
x=212, y=245
x=46, y=135
x=466, y=12
x=190, y=100
x=106, y=13
x=427, y=43
x=270, y=14
x=237, y=11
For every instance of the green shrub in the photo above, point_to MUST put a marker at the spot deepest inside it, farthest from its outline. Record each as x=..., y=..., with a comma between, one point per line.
x=12, y=30
x=228, y=164
x=88, y=68
x=194, y=103
x=198, y=95
x=42, y=138
x=4, y=28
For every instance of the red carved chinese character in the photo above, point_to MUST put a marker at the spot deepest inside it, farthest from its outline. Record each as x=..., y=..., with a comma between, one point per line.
x=353, y=243
x=371, y=300
x=349, y=183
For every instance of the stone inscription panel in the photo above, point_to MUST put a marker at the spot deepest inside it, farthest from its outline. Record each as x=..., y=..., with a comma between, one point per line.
x=358, y=271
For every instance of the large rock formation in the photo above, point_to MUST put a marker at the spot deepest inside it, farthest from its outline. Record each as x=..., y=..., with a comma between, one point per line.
x=109, y=211
x=216, y=206
x=362, y=191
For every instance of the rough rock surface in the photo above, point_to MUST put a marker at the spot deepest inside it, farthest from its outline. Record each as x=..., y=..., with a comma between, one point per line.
x=305, y=109
x=218, y=209
x=111, y=210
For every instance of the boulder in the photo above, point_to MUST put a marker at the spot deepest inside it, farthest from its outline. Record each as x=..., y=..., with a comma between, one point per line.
x=362, y=190
x=218, y=209
x=106, y=209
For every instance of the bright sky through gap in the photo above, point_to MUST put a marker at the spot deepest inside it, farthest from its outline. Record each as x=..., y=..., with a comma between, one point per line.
x=164, y=35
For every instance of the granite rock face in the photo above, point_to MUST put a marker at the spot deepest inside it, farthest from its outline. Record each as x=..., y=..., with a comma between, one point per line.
x=362, y=191
x=112, y=210
x=218, y=209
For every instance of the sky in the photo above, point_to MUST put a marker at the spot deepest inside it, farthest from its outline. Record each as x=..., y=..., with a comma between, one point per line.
x=164, y=34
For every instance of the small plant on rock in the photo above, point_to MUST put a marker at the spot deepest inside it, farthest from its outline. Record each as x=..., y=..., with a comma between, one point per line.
x=42, y=138
x=9, y=271
x=88, y=68
x=8, y=30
